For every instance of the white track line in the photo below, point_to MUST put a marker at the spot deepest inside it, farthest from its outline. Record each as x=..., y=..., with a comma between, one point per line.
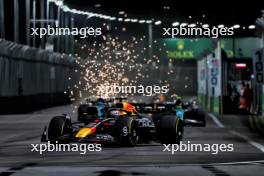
x=215, y=119
x=175, y=165
x=255, y=144
x=251, y=142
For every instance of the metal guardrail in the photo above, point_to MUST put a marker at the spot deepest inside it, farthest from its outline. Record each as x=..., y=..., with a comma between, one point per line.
x=27, y=72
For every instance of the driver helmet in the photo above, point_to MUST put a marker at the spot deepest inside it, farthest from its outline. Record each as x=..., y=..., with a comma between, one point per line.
x=178, y=103
x=128, y=107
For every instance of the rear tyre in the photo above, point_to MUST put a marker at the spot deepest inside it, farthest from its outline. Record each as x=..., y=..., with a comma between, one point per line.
x=58, y=127
x=170, y=129
x=201, y=117
x=128, y=131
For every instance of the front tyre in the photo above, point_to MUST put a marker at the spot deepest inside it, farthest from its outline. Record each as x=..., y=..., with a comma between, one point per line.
x=59, y=126
x=201, y=117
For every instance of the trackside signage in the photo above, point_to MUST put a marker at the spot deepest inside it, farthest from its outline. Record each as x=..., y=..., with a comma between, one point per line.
x=179, y=48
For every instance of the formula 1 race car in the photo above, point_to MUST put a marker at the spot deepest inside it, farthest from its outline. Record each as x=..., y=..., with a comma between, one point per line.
x=121, y=124
x=193, y=116
x=186, y=111
x=89, y=109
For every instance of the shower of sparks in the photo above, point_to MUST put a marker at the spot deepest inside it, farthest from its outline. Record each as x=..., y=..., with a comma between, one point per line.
x=112, y=61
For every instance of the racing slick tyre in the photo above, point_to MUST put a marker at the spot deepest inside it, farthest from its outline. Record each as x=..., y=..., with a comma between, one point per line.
x=58, y=127
x=170, y=129
x=201, y=117
x=128, y=131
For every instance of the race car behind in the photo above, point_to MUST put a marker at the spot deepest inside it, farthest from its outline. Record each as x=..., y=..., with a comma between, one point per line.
x=186, y=110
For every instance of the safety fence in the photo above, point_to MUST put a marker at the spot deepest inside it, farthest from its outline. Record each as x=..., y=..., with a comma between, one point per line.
x=32, y=78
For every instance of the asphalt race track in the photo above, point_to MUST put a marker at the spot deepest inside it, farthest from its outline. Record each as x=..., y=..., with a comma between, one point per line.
x=19, y=131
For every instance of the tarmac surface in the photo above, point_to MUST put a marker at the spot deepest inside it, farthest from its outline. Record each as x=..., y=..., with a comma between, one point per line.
x=20, y=131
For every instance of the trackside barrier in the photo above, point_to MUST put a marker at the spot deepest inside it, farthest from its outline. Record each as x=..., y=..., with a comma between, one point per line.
x=32, y=78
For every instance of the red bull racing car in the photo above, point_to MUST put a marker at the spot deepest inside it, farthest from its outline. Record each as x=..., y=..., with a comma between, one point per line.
x=121, y=124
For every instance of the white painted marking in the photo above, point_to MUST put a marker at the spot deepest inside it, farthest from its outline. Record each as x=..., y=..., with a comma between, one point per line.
x=253, y=143
x=215, y=119
x=189, y=164
x=239, y=162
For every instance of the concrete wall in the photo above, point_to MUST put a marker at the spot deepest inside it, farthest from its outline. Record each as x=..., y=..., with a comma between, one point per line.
x=33, y=78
